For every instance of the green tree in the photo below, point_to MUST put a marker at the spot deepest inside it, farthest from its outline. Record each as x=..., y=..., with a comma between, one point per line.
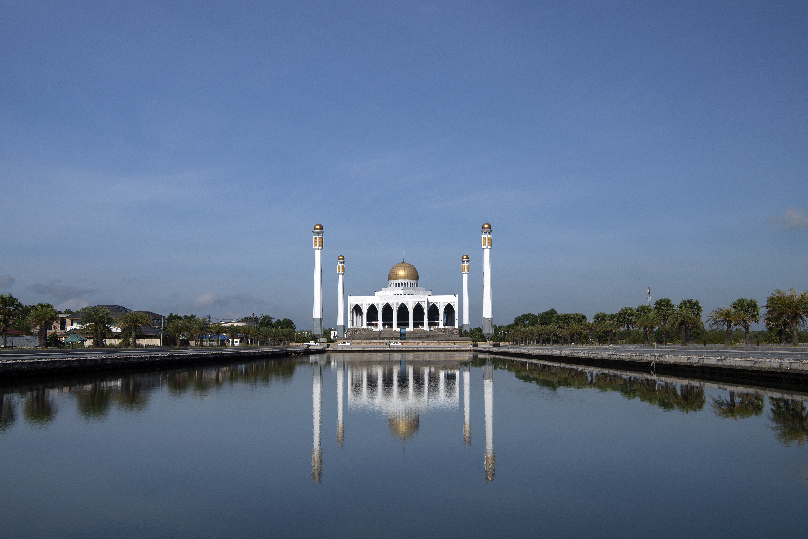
x=747, y=312
x=647, y=321
x=10, y=308
x=43, y=315
x=133, y=321
x=723, y=317
x=97, y=321
x=625, y=318
x=788, y=309
x=664, y=309
x=526, y=320
x=548, y=318
x=688, y=317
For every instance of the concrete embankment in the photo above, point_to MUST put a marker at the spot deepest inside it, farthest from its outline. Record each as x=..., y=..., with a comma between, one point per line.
x=34, y=363
x=779, y=366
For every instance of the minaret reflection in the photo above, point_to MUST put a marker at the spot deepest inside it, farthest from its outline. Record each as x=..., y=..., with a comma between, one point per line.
x=488, y=391
x=467, y=405
x=340, y=400
x=317, y=404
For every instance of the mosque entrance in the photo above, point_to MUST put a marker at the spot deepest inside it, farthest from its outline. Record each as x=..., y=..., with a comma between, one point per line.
x=433, y=316
x=402, y=316
x=372, y=316
x=448, y=316
x=387, y=316
x=418, y=316
x=357, y=317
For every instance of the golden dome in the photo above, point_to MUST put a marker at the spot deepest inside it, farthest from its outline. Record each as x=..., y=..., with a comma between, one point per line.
x=404, y=425
x=465, y=257
x=486, y=226
x=403, y=271
x=340, y=257
x=318, y=226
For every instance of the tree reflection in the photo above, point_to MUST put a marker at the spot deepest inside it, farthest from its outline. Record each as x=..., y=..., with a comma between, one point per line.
x=93, y=403
x=7, y=413
x=131, y=396
x=38, y=409
x=739, y=405
x=666, y=395
x=790, y=419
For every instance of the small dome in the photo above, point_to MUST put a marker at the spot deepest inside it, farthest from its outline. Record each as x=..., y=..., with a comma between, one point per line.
x=318, y=226
x=486, y=226
x=465, y=257
x=403, y=271
x=340, y=257
x=404, y=426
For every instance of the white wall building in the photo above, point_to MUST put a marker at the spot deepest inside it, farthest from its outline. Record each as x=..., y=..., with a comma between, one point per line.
x=403, y=304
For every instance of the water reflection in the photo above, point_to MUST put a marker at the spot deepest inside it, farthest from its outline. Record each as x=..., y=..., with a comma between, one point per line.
x=738, y=405
x=402, y=392
x=790, y=419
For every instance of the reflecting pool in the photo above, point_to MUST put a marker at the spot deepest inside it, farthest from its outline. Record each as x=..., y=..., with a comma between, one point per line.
x=400, y=445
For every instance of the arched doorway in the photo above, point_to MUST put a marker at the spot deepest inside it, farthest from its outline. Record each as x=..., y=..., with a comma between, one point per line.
x=418, y=316
x=372, y=316
x=449, y=316
x=356, y=317
x=433, y=316
x=402, y=316
x=387, y=316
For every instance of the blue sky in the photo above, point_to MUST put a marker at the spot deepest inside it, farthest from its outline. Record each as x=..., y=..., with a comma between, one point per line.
x=174, y=156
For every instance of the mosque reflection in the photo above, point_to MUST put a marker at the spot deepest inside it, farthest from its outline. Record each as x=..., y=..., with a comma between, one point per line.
x=402, y=391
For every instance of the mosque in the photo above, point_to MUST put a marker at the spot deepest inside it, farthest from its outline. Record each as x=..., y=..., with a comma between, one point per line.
x=402, y=305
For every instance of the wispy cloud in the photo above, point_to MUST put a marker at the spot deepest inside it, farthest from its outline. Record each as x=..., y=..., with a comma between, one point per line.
x=57, y=289
x=214, y=300
x=793, y=219
x=7, y=281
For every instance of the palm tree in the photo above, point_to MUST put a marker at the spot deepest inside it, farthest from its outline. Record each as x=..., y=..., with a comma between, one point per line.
x=43, y=315
x=789, y=309
x=664, y=309
x=647, y=321
x=10, y=308
x=723, y=317
x=97, y=321
x=133, y=321
x=688, y=316
x=748, y=313
x=625, y=318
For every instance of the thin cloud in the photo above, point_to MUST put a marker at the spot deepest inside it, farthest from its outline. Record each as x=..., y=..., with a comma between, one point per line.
x=7, y=281
x=59, y=290
x=793, y=219
x=212, y=299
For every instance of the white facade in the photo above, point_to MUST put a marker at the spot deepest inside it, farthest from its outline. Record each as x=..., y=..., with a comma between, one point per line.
x=403, y=304
x=341, y=297
x=465, y=269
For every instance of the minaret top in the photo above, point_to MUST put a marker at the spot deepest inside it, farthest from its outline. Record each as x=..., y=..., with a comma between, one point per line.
x=341, y=258
x=486, y=227
x=319, y=228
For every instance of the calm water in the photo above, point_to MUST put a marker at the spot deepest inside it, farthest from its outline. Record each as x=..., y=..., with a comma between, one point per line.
x=400, y=445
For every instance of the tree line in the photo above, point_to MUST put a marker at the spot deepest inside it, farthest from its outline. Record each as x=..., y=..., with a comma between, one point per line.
x=785, y=313
x=97, y=321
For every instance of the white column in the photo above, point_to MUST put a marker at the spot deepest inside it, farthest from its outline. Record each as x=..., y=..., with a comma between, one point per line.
x=466, y=407
x=317, y=311
x=488, y=395
x=340, y=298
x=340, y=401
x=488, y=322
x=412, y=316
x=317, y=403
x=466, y=293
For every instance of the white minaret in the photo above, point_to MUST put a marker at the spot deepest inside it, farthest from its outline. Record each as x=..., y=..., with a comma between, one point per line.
x=466, y=406
x=340, y=400
x=488, y=318
x=340, y=298
x=488, y=396
x=316, y=405
x=317, y=314
x=465, y=293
